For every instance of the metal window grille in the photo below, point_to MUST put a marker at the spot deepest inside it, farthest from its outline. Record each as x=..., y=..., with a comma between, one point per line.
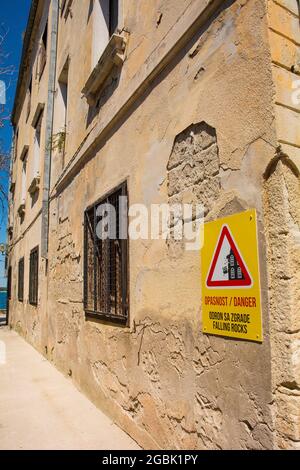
x=34, y=276
x=21, y=280
x=106, y=263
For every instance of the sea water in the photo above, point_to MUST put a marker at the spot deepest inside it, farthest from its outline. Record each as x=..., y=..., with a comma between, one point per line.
x=3, y=296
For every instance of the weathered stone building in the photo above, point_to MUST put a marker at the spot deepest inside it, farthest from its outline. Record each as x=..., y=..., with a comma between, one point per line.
x=192, y=100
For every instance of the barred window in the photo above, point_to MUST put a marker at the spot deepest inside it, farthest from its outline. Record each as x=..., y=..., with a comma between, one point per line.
x=21, y=280
x=34, y=276
x=105, y=258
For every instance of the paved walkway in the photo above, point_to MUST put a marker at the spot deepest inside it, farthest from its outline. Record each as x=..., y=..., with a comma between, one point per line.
x=41, y=409
x=2, y=318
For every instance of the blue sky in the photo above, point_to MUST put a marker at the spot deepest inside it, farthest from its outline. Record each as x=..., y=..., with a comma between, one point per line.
x=13, y=18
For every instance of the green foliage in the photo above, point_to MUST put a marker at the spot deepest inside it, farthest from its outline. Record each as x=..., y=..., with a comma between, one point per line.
x=58, y=141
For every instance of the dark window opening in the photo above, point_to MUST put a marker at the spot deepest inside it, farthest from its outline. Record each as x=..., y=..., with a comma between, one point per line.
x=29, y=93
x=63, y=83
x=113, y=16
x=66, y=8
x=34, y=276
x=43, y=51
x=45, y=36
x=105, y=261
x=16, y=143
x=9, y=274
x=63, y=4
x=21, y=280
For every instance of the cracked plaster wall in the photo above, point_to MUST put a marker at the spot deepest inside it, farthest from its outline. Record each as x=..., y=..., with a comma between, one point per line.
x=161, y=379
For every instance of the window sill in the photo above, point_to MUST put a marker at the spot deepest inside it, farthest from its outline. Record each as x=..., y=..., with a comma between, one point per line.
x=34, y=185
x=113, y=55
x=113, y=319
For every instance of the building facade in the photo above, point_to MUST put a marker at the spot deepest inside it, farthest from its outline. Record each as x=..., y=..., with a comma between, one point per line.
x=164, y=102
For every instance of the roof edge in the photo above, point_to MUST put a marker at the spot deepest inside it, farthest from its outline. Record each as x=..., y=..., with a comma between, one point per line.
x=22, y=68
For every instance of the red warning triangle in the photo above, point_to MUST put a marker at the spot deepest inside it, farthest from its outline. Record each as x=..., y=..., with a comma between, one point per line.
x=227, y=268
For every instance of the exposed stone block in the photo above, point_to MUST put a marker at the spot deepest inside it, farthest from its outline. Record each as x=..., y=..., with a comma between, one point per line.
x=194, y=163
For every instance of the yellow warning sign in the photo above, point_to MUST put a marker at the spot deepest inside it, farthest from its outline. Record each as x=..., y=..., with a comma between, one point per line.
x=231, y=304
